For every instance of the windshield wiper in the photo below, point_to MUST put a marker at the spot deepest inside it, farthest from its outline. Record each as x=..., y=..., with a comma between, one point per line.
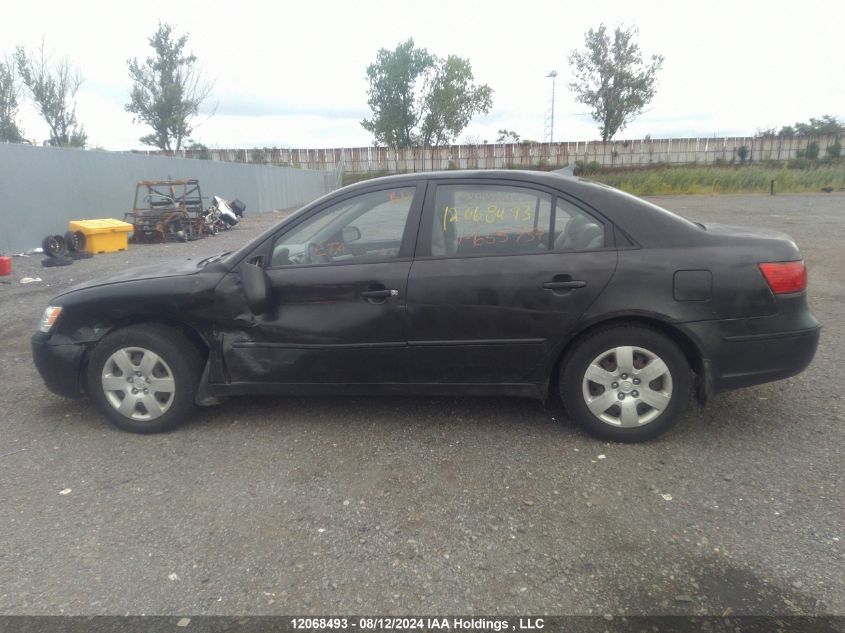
x=213, y=258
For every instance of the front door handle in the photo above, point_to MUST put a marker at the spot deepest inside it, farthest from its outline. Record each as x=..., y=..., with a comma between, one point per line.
x=379, y=295
x=564, y=285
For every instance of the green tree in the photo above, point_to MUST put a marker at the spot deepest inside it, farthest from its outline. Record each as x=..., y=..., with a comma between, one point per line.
x=419, y=98
x=168, y=90
x=612, y=79
x=826, y=124
x=9, y=130
x=199, y=150
x=507, y=136
x=452, y=100
x=811, y=153
x=53, y=88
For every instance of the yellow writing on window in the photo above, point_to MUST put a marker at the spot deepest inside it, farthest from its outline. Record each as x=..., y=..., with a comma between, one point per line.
x=489, y=215
x=533, y=236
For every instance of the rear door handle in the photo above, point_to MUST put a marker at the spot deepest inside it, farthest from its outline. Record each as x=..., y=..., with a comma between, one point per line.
x=564, y=285
x=380, y=294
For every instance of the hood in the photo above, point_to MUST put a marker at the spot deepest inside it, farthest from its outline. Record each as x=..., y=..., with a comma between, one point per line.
x=173, y=268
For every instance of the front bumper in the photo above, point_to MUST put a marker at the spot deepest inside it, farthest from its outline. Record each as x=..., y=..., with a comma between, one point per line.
x=745, y=352
x=60, y=365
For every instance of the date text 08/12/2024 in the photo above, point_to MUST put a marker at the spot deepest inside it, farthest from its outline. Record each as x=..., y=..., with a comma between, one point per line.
x=418, y=623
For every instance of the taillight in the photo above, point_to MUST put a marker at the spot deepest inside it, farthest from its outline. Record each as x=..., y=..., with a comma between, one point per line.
x=785, y=277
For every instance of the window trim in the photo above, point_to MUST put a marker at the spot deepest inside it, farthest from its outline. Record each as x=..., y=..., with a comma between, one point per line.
x=424, y=235
x=409, y=233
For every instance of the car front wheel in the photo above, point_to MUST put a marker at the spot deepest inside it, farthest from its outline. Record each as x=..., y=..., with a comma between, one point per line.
x=144, y=378
x=625, y=383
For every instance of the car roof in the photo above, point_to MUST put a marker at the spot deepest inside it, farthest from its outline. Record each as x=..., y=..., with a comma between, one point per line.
x=644, y=221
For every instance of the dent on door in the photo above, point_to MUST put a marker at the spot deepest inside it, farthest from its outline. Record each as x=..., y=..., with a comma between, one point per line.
x=332, y=324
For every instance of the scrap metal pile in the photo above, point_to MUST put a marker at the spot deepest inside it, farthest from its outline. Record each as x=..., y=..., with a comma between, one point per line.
x=172, y=210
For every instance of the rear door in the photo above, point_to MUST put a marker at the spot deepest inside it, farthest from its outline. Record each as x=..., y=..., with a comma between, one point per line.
x=502, y=272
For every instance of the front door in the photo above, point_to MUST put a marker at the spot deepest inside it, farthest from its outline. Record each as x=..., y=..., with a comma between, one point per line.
x=337, y=308
x=502, y=273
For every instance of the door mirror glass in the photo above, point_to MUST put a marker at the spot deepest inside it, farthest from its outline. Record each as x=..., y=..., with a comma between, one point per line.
x=256, y=287
x=350, y=234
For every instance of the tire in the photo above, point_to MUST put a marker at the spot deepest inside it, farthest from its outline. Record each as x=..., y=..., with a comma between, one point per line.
x=75, y=241
x=643, y=411
x=163, y=357
x=54, y=245
x=58, y=260
x=80, y=255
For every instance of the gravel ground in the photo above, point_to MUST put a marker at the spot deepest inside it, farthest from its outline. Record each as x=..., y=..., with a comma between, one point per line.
x=360, y=505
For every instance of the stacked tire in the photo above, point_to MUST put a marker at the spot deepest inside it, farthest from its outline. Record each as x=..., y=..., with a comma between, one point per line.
x=62, y=250
x=55, y=247
x=76, y=245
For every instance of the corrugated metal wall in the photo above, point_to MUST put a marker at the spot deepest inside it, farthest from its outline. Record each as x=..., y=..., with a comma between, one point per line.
x=41, y=188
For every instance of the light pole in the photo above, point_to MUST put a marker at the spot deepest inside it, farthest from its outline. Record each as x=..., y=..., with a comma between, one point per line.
x=550, y=119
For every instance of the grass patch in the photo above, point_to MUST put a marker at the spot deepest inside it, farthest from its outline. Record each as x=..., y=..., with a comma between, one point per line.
x=715, y=180
x=692, y=179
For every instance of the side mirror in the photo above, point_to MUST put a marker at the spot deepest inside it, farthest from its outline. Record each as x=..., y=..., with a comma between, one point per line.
x=350, y=234
x=256, y=287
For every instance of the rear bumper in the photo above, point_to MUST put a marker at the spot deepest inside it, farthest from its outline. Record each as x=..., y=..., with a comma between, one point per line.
x=746, y=352
x=749, y=362
x=60, y=366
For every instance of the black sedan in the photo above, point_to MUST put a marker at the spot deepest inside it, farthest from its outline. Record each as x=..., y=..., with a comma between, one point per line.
x=481, y=283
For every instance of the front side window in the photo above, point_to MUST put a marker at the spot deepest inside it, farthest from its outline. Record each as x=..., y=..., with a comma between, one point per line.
x=490, y=220
x=365, y=228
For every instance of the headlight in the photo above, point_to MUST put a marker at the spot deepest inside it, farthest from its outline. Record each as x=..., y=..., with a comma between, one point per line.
x=50, y=315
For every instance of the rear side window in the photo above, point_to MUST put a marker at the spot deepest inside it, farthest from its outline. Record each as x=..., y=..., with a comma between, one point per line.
x=501, y=219
x=490, y=220
x=574, y=230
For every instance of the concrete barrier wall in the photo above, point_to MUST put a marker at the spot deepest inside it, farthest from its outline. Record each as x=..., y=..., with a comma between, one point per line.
x=631, y=153
x=41, y=188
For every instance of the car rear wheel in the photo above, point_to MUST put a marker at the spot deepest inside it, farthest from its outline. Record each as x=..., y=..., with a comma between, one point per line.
x=144, y=378
x=625, y=383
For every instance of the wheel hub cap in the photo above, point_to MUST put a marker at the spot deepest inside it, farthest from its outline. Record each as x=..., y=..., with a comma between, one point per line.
x=627, y=386
x=138, y=383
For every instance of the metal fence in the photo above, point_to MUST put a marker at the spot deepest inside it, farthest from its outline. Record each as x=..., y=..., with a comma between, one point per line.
x=633, y=153
x=41, y=188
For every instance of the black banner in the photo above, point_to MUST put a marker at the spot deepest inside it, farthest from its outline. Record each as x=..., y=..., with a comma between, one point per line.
x=462, y=623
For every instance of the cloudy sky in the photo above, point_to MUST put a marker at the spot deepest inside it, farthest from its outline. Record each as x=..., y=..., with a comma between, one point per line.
x=292, y=74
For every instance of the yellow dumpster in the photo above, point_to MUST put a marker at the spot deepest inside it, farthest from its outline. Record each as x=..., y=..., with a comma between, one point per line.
x=103, y=236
